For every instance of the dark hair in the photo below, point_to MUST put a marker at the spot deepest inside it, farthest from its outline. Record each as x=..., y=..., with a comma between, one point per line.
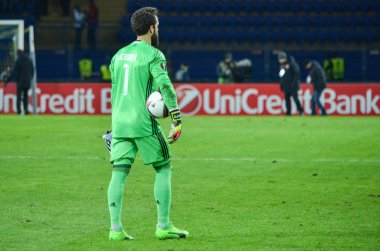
x=20, y=52
x=282, y=54
x=142, y=19
x=306, y=62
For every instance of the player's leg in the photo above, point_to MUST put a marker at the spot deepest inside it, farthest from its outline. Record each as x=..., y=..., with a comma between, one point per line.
x=18, y=100
x=297, y=101
x=320, y=106
x=288, y=103
x=155, y=150
x=25, y=100
x=313, y=103
x=162, y=192
x=123, y=152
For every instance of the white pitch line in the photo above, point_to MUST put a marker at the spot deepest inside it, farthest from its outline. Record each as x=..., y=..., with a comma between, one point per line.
x=197, y=159
x=280, y=160
x=51, y=157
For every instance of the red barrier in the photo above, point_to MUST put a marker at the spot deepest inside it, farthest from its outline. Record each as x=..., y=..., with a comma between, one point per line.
x=202, y=99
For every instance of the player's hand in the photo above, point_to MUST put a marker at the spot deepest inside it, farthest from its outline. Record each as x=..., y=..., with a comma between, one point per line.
x=281, y=73
x=108, y=139
x=308, y=79
x=176, y=126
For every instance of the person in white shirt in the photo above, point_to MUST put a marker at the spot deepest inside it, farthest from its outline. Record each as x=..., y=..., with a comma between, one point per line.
x=79, y=19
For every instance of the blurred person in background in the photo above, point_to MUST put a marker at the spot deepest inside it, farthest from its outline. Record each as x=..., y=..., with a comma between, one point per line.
x=225, y=69
x=182, y=75
x=242, y=70
x=338, y=67
x=289, y=81
x=41, y=8
x=328, y=67
x=85, y=68
x=65, y=6
x=5, y=73
x=105, y=72
x=92, y=24
x=317, y=77
x=22, y=72
x=78, y=26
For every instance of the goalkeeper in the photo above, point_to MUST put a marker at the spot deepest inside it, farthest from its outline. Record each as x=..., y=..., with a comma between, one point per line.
x=137, y=70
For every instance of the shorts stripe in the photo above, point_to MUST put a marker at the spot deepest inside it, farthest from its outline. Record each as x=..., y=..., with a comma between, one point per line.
x=164, y=146
x=161, y=139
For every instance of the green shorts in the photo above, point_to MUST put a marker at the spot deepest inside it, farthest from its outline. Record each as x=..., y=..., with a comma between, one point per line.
x=154, y=150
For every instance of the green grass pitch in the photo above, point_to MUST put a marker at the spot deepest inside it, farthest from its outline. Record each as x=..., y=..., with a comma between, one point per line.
x=239, y=183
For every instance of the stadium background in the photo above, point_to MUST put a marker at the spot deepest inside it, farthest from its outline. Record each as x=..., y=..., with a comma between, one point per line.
x=240, y=183
x=198, y=33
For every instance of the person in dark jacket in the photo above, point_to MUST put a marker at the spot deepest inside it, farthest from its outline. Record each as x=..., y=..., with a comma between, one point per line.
x=289, y=81
x=317, y=77
x=92, y=24
x=22, y=72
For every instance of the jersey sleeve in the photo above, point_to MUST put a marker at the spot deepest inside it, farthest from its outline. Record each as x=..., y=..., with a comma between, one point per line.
x=158, y=70
x=111, y=67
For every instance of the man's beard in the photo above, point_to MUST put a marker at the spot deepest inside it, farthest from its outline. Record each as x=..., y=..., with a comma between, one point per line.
x=155, y=39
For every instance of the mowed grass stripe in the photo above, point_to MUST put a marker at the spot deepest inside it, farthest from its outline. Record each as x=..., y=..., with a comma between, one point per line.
x=250, y=183
x=274, y=160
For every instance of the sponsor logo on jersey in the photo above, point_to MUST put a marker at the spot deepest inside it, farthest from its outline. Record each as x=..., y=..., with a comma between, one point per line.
x=163, y=66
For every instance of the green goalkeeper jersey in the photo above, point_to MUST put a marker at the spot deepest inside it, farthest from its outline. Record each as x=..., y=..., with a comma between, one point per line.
x=137, y=70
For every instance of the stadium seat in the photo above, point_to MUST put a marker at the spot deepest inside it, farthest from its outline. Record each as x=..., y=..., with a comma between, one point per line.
x=241, y=37
x=271, y=7
x=30, y=20
x=292, y=21
x=30, y=7
x=259, y=6
x=126, y=21
x=329, y=7
x=259, y=21
x=248, y=6
x=319, y=7
x=364, y=6
x=305, y=7
x=252, y=36
x=244, y=21
x=232, y=21
x=261, y=35
x=327, y=21
x=374, y=6
x=282, y=7
x=237, y=6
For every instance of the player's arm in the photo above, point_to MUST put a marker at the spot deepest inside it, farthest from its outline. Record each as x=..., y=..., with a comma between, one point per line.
x=295, y=74
x=11, y=75
x=160, y=75
x=111, y=67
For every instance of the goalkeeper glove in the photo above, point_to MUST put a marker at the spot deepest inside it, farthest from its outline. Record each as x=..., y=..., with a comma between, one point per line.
x=108, y=139
x=176, y=126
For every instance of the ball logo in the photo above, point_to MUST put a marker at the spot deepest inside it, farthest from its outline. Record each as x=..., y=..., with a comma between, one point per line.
x=189, y=99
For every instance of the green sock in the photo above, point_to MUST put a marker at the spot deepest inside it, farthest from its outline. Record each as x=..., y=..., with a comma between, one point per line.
x=162, y=194
x=115, y=196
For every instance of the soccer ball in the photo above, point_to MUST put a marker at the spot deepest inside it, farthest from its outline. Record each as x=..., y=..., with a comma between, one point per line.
x=156, y=106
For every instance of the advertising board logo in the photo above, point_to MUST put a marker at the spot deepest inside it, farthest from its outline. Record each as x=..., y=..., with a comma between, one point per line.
x=189, y=99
